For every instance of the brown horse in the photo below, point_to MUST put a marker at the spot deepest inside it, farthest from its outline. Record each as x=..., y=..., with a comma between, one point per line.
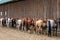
x=25, y=24
x=13, y=23
x=30, y=25
x=29, y=22
x=4, y=22
x=44, y=27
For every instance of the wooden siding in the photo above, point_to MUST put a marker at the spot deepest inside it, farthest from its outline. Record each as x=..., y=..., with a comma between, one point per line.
x=33, y=8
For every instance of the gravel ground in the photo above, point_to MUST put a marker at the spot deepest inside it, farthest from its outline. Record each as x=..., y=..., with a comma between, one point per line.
x=13, y=34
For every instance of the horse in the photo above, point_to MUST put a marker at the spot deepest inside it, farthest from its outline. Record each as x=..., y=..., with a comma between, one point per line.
x=1, y=21
x=13, y=21
x=19, y=24
x=4, y=22
x=25, y=24
x=44, y=27
x=41, y=26
x=31, y=25
x=54, y=27
x=8, y=22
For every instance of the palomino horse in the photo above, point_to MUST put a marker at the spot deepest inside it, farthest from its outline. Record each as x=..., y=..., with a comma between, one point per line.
x=40, y=26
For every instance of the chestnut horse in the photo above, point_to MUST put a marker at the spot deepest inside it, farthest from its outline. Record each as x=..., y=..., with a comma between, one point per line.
x=25, y=24
x=30, y=25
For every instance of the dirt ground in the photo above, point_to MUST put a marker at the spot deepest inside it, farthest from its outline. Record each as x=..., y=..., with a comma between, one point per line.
x=14, y=34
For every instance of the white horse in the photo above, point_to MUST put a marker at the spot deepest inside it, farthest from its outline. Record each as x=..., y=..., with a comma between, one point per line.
x=1, y=21
x=52, y=23
x=19, y=22
x=8, y=22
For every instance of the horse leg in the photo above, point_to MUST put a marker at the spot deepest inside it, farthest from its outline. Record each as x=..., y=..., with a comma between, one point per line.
x=20, y=26
x=25, y=28
x=36, y=29
x=31, y=29
x=56, y=31
x=53, y=31
x=41, y=30
x=45, y=32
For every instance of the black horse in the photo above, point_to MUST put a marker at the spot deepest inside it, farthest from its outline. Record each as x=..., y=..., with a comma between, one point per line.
x=4, y=22
x=13, y=23
x=57, y=24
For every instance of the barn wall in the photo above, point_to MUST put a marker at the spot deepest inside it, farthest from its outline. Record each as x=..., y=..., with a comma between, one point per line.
x=33, y=8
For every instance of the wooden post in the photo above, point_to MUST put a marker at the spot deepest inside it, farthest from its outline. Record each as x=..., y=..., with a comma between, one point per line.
x=45, y=8
x=58, y=11
x=57, y=8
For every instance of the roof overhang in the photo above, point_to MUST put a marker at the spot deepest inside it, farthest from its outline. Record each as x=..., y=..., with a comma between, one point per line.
x=8, y=1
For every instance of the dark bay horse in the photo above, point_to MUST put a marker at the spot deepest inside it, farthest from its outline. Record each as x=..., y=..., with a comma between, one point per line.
x=4, y=22
x=13, y=21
